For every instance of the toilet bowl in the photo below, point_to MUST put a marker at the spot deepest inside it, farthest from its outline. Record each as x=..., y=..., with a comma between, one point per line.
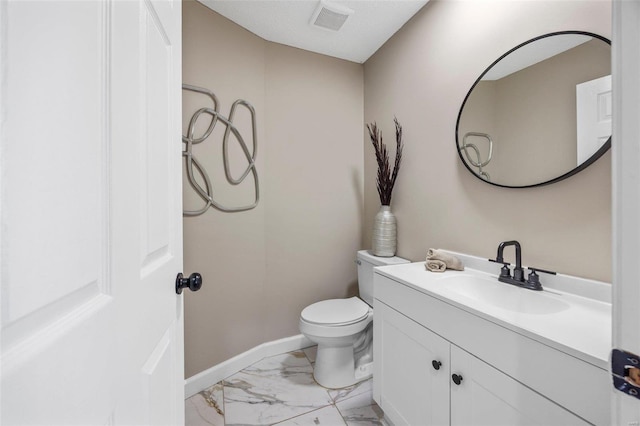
x=343, y=329
x=335, y=325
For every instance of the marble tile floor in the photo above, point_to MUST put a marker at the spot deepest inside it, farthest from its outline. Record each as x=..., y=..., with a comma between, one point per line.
x=281, y=390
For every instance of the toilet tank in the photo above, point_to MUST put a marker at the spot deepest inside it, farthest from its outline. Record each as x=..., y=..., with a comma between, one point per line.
x=366, y=262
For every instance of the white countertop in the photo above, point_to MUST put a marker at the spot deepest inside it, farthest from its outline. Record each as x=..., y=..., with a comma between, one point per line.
x=571, y=314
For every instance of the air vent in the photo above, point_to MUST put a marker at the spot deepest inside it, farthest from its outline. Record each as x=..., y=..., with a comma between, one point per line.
x=330, y=16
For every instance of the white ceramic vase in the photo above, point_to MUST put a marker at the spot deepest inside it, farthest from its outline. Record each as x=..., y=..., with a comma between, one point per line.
x=385, y=232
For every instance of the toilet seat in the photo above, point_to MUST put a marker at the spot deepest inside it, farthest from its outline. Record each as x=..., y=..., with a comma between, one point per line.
x=336, y=312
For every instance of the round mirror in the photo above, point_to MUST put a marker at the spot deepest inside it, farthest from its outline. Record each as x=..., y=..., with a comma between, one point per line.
x=540, y=113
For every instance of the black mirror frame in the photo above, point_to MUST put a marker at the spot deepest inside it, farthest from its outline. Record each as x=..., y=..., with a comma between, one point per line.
x=599, y=153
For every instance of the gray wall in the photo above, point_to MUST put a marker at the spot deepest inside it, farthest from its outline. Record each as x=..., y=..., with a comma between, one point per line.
x=263, y=266
x=421, y=76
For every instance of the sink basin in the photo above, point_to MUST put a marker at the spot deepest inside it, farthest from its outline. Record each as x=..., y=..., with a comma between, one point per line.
x=490, y=291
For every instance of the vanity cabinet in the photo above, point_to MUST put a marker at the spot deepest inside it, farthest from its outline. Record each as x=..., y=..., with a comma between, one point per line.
x=415, y=382
x=421, y=342
x=486, y=396
x=412, y=390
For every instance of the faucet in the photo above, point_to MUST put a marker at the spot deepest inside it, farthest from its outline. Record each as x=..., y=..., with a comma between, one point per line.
x=532, y=282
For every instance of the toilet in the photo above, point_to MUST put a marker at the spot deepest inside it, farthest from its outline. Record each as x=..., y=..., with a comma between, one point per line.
x=343, y=329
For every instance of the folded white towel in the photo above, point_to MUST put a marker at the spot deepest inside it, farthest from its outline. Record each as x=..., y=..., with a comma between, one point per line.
x=451, y=261
x=435, y=265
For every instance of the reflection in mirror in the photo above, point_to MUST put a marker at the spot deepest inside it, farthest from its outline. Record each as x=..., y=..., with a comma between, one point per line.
x=540, y=113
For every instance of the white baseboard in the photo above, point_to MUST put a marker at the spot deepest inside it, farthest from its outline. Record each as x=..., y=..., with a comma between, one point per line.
x=215, y=374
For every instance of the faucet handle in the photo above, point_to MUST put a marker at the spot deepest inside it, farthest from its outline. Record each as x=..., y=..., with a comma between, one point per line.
x=504, y=271
x=541, y=270
x=533, y=280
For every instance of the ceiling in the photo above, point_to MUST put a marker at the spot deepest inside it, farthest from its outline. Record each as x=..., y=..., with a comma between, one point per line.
x=533, y=53
x=288, y=22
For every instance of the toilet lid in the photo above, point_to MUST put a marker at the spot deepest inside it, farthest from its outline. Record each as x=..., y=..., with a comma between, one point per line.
x=336, y=311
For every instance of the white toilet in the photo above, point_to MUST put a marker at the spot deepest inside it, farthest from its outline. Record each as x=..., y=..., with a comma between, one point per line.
x=343, y=329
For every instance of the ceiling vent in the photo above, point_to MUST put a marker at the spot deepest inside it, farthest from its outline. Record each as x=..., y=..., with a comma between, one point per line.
x=330, y=16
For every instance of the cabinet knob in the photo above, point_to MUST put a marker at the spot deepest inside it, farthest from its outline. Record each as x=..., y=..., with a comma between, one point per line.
x=436, y=364
x=457, y=379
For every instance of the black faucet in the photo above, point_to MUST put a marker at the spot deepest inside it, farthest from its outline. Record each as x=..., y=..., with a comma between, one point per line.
x=532, y=282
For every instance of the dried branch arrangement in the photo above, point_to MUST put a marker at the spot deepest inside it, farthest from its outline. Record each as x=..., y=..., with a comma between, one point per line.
x=386, y=178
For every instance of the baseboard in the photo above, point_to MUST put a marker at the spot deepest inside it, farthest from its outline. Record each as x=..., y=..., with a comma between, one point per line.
x=215, y=374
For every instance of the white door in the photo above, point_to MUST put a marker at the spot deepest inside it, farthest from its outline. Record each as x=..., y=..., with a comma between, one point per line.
x=626, y=195
x=91, y=237
x=593, y=116
x=482, y=395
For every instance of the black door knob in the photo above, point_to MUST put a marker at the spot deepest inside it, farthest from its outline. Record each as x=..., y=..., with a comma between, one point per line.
x=457, y=379
x=436, y=364
x=193, y=283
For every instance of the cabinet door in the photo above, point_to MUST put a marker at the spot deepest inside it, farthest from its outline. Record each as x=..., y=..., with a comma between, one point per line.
x=486, y=396
x=408, y=388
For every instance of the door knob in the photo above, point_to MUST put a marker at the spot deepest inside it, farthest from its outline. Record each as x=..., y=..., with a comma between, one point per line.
x=457, y=379
x=193, y=283
x=436, y=364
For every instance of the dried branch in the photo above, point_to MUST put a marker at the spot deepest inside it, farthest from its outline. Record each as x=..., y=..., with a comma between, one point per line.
x=385, y=179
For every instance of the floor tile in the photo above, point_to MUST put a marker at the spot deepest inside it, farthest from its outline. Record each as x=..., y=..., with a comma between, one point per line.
x=281, y=390
x=272, y=390
x=205, y=408
x=359, y=388
x=327, y=416
x=361, y=410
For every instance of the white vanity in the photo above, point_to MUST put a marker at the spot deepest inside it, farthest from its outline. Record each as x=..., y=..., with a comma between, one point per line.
x=462, y=348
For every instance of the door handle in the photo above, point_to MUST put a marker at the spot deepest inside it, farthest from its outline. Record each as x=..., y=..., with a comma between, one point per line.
x=436, y=364
x=193, y=283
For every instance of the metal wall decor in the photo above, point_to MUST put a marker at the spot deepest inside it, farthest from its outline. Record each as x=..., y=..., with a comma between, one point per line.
x=479, y=163
x=192, y=163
